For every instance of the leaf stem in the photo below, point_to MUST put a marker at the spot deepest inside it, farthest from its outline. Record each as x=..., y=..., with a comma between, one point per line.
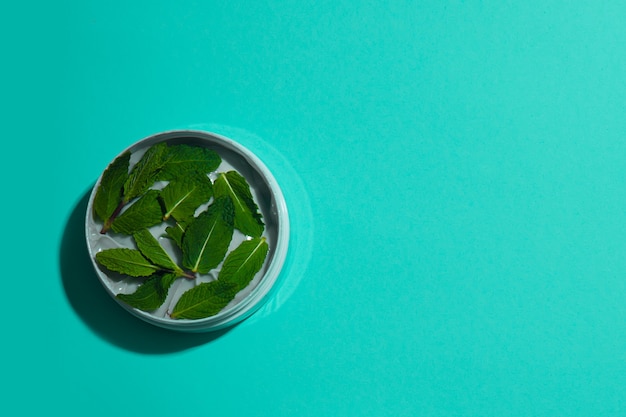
x=188, y=275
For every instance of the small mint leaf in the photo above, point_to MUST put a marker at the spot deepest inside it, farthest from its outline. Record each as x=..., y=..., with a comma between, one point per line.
x=109, y=193
x=153, y=251
x=208, y=236
x=176, y=233
x=204, y=300
x=181, y=197
x=143, y=175
x=242, y=264
x=151, y=294
x=247, y=217
x=143, y=213
x=126, y=261
x=182, y=159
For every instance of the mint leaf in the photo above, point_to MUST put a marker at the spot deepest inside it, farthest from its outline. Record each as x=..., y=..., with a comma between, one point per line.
x=247, y=217
x=126, y=261
x=150, y=248
x=151, y=294
x=207, y=238
x=183, y=196
x=182, y=159
x=176, y=233
x=143, y=175
x=109, y=193
x=204, y=300
x=242, y=264
x=143, y=213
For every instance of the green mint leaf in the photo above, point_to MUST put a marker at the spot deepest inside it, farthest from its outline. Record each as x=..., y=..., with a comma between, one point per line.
x=126, y=261
x=143, y=213
x=151, y=294
x=242, y=264
x=109, y=193
x=183, y=196
x=149, y=247
x=143, y=175
x=182, y=159
x=204, y=300
x=247, y=217
x=176, y=233
x=207, y=238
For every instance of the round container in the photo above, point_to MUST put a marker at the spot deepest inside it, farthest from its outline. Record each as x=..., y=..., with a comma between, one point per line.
x=270, y=200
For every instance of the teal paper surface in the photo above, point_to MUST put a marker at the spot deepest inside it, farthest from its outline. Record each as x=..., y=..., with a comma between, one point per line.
x=455, y=172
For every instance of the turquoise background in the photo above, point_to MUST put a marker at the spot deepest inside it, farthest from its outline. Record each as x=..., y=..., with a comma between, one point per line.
x=455, y=172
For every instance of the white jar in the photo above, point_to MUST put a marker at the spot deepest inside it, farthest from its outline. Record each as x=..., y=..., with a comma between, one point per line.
x=272, y=206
